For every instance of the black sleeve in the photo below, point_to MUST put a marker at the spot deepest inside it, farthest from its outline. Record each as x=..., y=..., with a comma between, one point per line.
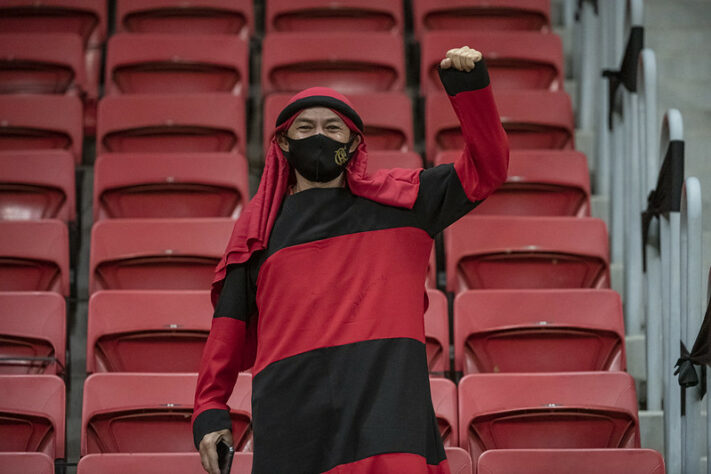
x=238, y=296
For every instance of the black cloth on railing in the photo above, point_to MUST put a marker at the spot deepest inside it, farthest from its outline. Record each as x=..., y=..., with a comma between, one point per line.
x=579, y=8
x=700, y=355
x=666, y=197
x=627, y=73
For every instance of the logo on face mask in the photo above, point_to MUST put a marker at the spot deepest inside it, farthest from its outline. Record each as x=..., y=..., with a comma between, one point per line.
x=340, y=156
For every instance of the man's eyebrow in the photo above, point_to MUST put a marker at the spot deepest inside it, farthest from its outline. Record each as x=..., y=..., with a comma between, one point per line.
x=334, y=119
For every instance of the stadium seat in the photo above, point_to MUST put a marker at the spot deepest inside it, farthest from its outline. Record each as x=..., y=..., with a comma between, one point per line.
x=37, y=185
x=150, y=413
x=384, y=159
x=171, y=123
x=145, y=463
x=387, y=119
x=437, y=332
x=492, y=252
x=532, y=120
x=538, y=331
x=32, y=408
x=577, y=410
x=153, y=63
x=234, y=17
x=459, y=461
x=479, y=15
x=152, y=254
x=326, y=15
x=35, y=463
x=348, y=62
x=195, y=184
x=147, y=331
x=539, y=183
x=34, y=256
x=566, y=461
x=514, y=59
x=444, y=402
x=32, y=333
x=50, y=63
x=41, y=122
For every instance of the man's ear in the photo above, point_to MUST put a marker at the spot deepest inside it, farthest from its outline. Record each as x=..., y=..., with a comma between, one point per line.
x=283, y=142
x=356, y=142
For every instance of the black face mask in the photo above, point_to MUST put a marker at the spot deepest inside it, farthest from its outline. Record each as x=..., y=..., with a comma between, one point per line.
x=318, y=158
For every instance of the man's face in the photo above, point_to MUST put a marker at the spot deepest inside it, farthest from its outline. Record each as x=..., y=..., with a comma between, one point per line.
x=315, y=120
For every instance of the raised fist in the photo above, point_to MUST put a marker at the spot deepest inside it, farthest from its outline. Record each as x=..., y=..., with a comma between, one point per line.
x=463, y=59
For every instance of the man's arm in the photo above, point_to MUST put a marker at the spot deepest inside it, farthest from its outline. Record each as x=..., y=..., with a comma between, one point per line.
x=448, y=192
x=219, y=367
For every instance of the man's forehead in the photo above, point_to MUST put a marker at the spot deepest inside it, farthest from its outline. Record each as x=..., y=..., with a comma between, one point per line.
x=318, y=114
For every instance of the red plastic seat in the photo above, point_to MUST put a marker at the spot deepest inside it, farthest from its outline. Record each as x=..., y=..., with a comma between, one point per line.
x=50, y=63
x=41, y=122
x=491, y=252
x=387, y=118
x=538, y=331
x=385, y=159
x=348, y=62
x=459, y=460
x=33, y=418
x=235, y=17
x=175, y=123
x=195, y=184
x=539, y=183
x=154, y=63
x=444, y=402
x=34, y=256
x=37, y=185
x=36, y=463
x=581, y=410
x=326, y=15
x=532, y=120
x=151, y=463
x=147, y=331
x=152, y=254
x=514, y=59
x=479, y=15
x=565, y=461
x=150, y=413
x=33, y=333
x=437, y=332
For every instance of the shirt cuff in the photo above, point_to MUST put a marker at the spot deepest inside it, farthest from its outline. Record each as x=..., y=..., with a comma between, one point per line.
x=456, y=81
x=214, y=419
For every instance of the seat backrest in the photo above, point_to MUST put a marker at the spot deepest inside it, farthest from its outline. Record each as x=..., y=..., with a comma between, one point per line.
x=564, y=461
x=155, y=63
x=538, y=331
x=34, y=256
x=36, y=463
x=37, y=185
x=149, y=463
x=512, y=252
x=459, y=460
x=85, y=18
x=176, y=123
x=478, y=15
x=41, y=122
x=32, y=333
x=179, y=253
x=540, y=411
x=147, y=331
x=150, y=413
x=514, y=59
x=444, y=402
x=234, y=17
x=323, y=15
x=539, y=183
x=132, y=185
x=437, y=332
x=348, y=62
x=33, y=414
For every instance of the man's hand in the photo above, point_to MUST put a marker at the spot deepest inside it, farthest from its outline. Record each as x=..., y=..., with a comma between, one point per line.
x=463, y=59
x=208, y=449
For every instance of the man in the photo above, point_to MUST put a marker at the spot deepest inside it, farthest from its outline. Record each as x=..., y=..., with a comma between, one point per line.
x=326, y=270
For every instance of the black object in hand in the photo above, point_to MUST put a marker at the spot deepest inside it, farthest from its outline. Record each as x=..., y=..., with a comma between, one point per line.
x=225, y=453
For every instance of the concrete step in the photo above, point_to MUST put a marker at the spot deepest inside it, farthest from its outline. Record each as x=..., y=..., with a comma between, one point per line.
x=600, y=208
x=585, y=143
x=651, y=429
